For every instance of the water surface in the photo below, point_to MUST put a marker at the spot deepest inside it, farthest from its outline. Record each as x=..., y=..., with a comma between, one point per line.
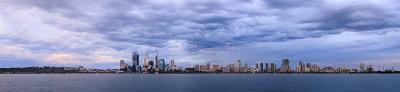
x=199, y=82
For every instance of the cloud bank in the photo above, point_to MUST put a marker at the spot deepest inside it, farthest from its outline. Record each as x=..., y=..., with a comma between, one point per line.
x=99, y=34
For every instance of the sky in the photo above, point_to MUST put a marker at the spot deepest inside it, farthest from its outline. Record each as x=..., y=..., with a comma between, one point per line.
x=98, y=34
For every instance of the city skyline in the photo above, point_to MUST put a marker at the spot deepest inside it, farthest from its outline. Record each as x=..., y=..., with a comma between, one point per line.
x=270, y=67
x=100, y=34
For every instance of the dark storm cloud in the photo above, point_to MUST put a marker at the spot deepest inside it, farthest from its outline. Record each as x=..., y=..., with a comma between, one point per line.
x=210, y=24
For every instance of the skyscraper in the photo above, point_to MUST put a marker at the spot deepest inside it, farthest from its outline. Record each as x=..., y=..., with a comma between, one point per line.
x=157, y=62
x=208, y=65
x=259, y=67
x=121, y=64
x=135, y=61
x=314, y=68
x=273, y=67
x=246, y=67
x=162, y=65
x=361, y=65
x=308, y=65
x=146, y=60
x=267, y=69
x=172, y=63
x=239, y=63
x=285, y=65
x=302, y=66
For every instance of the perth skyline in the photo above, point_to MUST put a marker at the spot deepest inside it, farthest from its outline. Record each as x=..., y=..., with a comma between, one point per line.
x=100, y=34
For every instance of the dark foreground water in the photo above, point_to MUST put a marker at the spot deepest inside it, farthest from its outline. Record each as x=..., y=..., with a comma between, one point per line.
x=199, y=83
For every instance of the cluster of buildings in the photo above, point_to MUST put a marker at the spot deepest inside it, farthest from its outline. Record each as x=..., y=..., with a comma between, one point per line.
x=285, y=68
x=159, y=65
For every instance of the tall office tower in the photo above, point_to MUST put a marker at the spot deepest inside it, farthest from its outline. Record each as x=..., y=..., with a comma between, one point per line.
x=285, y=65
x=308, y=65
x=146, y=60
x=302, y=66
x=256, y=65
x=267, y=69
x=314, y=68
x=239, y=63
x=162, y=64
x=361, y=65
x=273, y=67
x=246, y=67
x=135, y=61
x=208, y=65
x=157, y=62
x=172, y=63
x=259, y=67
x=121, y=64
x=298, y=69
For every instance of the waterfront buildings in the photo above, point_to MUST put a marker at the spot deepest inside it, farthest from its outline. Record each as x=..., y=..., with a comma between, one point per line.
x=267, y=69
x=135, y=61
x=285, y=66
x=314, y=68
x=159, y=65
x=273, y=68
x=172, y=63
x=146, y=60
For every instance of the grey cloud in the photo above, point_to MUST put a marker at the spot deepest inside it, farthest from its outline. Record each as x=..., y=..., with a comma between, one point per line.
x=209, y=24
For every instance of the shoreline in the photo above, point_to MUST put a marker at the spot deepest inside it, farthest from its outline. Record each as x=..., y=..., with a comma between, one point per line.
x=205, y=73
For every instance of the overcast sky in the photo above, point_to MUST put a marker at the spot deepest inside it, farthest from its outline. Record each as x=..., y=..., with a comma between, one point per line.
x=97, y=34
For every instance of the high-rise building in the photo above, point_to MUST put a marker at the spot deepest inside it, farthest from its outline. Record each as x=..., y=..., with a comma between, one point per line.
x=314, y=68
x=273, y=67
x=146, y=60
x=259, y=67
x=157, y=62
x=246, y=67
x=135, y=61
x=298, y=69
x=308, y=65
x=162, y=65
x=239, y=63
x=267, y=69
x=123, y=66
x=285, y=65
x=172, y=63
x=302, y=66
x=361, y=65
x=208, y=65
x=252, y=69
x=231, y=68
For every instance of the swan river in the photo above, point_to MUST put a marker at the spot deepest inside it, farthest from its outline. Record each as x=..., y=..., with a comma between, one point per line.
x=199, y=82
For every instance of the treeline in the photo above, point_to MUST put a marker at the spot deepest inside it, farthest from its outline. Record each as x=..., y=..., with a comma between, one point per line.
x=37, y=70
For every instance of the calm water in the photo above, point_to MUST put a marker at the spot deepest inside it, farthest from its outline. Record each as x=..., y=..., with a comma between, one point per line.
x=199, y=82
